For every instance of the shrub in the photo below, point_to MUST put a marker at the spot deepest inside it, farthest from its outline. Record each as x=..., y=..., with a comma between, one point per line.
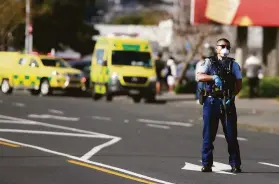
x=269, y=88
x=189, y=87
x=180, y=89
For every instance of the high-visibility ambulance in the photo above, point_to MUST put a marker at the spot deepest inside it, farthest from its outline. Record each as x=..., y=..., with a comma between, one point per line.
x=123, y=66
x=38, y=73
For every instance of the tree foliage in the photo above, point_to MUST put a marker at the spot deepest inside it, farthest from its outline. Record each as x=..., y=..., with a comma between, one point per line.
x=58, y=24
x=12, y=12
x=141, y=18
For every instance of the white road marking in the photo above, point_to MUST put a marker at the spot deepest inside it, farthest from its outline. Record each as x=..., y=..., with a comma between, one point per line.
x=52, y=133
x=48, y=116
x=51, y=125
x=221, y=166
x=101, y=118
x=126, y=121
x=54, y=111
x=96, y=149
x=238, y=138
x=165, y=122
x=218, y=168
x=66, y=128
x=269, y=164
x=158, y=126
x=14, y=122
x=12, y=118
x=191, y=120
x=17, y=104
x=86, y=161
x=191, y=167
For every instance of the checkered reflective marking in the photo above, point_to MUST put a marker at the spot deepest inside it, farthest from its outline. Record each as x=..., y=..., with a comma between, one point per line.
x=26, y=80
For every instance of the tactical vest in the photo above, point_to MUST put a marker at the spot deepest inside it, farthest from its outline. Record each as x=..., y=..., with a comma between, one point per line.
x=223, y=69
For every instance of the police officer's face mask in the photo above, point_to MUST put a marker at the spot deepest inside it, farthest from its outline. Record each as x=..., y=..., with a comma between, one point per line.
x=224, y=52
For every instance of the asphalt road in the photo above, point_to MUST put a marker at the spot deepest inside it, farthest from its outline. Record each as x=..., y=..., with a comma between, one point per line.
x=75, y=140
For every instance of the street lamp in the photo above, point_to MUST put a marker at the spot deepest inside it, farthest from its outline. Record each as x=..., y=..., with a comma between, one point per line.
x=28, y=29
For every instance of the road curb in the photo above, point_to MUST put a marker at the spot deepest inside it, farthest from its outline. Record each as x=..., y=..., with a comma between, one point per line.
x=273, y=129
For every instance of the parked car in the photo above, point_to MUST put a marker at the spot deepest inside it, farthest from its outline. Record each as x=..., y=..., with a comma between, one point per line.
x=85, y=67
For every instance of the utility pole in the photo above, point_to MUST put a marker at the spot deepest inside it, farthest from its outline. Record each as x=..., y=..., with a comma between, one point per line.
x=28, y=28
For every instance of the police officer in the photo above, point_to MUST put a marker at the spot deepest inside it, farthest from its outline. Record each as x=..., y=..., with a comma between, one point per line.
x=223, y=81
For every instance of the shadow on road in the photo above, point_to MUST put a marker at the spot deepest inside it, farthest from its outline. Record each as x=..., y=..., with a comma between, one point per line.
x=160, y=102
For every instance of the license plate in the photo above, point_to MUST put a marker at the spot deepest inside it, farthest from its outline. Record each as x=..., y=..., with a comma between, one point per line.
x=134, y=92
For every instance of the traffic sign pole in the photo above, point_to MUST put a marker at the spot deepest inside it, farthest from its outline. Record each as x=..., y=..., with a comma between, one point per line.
x=28, y=29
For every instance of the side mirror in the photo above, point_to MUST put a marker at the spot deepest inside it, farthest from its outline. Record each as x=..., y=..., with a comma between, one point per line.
x=33, y=65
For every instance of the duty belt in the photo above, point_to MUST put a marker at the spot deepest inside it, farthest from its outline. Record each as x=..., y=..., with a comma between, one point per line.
x=215, y=94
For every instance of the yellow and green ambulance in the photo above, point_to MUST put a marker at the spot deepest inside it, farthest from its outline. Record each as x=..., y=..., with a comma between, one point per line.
x=38, y=73
x=123, y=66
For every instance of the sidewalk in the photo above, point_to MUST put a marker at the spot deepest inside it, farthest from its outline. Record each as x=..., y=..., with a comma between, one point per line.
x=260, y=115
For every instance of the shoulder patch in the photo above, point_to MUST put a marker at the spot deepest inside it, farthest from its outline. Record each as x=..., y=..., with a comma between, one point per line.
x=207, y=61
x=203, y=63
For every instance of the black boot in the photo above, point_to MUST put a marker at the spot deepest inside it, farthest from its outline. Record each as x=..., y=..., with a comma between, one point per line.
x=236, y=169
x=206, y=169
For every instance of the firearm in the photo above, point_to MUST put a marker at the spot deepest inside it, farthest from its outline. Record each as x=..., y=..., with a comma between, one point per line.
x=225, y=106
x=227, y=97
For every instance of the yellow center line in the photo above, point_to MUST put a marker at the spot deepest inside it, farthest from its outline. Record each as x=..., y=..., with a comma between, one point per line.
x=9, y=144
x=110, y=172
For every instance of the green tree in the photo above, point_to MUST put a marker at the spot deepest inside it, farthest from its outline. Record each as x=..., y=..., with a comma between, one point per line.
x=141, y=18
x=12, y=12
x=60, y=24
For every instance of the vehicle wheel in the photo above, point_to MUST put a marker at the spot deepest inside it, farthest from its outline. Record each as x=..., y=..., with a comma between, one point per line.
x=150, y=98
x=45, y=88
x=109, y=97
x=34, y=92
x=6, y=87
x=136, y=99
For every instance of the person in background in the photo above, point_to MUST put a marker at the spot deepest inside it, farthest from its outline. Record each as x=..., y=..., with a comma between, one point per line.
x=253, y=68
x=159, y=64
x=208, y=51
x=171, y=75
